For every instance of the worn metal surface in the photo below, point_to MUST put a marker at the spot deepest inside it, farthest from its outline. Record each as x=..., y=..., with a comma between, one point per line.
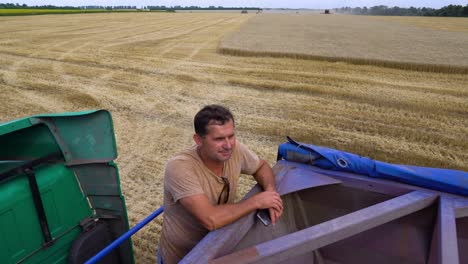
x=315, y=237
x=297, y=179
x=444, y=248
x=356, y=181
x=83, y=138
x=223, y=240
x=49, y=122
x=403, y=240
x=412, y=227
x=289, y=178
x=462, y=235
x=461, y=207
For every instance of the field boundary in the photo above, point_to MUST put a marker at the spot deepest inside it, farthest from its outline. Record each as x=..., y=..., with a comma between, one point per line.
x=357, y=61
x=39, y=11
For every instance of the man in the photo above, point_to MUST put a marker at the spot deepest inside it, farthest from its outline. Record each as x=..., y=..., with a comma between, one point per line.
x=200, y=184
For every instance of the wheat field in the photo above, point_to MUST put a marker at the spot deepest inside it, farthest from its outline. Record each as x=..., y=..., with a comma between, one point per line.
x=154, y=71
x=417, y=43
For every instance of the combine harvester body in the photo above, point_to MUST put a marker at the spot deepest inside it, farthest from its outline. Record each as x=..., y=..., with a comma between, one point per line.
x=60, y=202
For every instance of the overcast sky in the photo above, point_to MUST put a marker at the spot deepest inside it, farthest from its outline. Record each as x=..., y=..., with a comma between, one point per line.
x=249, y=3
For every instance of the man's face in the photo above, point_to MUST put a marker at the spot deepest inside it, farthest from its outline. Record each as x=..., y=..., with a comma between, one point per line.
x=218, y=143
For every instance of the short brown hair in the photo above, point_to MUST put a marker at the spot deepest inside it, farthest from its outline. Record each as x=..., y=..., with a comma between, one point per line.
x=211, y=114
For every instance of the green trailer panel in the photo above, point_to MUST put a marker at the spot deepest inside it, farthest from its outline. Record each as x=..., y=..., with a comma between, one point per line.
x=57, y=182
x=64, y=203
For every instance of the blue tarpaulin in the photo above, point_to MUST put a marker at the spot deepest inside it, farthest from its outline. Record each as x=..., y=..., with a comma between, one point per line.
x=445, y=180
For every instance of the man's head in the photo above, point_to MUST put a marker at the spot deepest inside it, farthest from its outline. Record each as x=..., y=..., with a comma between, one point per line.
x=211, y=115
x=214, y=133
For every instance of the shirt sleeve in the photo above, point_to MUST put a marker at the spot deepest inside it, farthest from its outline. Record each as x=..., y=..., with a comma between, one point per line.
x=250, y=162
x=181, y=180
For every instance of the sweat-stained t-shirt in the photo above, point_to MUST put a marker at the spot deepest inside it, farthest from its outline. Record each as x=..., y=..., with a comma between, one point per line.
x=186, y=175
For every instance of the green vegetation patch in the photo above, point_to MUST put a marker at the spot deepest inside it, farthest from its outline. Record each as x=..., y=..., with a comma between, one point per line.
x=37, y=11
x=34, y=11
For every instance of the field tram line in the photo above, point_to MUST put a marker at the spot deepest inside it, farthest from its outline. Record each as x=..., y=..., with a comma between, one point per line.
x=174, y=36
x=310, y=77
x=92, y=64
x=314, y=77
x=57, y=65
x=375, y=146
x=347, y=97
x=436, y=68
x=197, y=49
x=13, y=68
x=374, y=127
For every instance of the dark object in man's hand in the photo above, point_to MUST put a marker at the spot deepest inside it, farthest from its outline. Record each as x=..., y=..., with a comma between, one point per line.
x=264, y=216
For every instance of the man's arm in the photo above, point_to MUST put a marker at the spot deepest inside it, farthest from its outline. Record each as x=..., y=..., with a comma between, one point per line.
x=265, y=177
x=213, y=217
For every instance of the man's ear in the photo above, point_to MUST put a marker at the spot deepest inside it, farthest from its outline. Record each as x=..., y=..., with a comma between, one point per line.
x=197, y=139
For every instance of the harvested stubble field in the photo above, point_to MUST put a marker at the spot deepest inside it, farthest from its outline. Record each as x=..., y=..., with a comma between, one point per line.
x=154, y=71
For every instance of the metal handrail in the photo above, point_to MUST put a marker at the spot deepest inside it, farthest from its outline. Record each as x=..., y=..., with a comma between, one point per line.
x=124, y=237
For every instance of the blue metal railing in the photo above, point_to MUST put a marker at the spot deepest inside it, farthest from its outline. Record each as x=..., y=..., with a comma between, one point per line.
x=124, y=237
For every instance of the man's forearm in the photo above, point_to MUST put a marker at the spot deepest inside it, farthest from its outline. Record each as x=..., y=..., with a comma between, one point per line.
x=213, y=217
x=265, y=177
x=228, y=213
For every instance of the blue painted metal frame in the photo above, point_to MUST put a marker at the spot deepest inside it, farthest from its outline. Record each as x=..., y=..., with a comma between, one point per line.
x=124, y=237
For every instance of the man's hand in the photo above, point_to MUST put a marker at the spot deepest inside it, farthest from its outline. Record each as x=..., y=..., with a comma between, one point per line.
x=270, y=200
x=215, y=216
x=265, y=177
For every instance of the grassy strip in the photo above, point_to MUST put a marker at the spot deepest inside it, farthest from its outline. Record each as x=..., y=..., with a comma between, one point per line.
x=357, y=61
x=33, y=11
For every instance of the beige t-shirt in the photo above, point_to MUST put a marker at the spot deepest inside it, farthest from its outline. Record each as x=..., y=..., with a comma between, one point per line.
x=187, y=175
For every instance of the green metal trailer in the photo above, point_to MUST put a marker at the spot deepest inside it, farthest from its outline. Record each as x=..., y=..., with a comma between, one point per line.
x=60, y=196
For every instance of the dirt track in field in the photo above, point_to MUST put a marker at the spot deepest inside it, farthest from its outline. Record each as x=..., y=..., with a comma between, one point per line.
x=154, y=71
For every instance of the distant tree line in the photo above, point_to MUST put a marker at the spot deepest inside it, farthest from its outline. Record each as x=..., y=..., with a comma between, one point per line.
x=107, y=7
x=18, y=6
x=177, y=7
x=166, y=8
x=382, y=10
